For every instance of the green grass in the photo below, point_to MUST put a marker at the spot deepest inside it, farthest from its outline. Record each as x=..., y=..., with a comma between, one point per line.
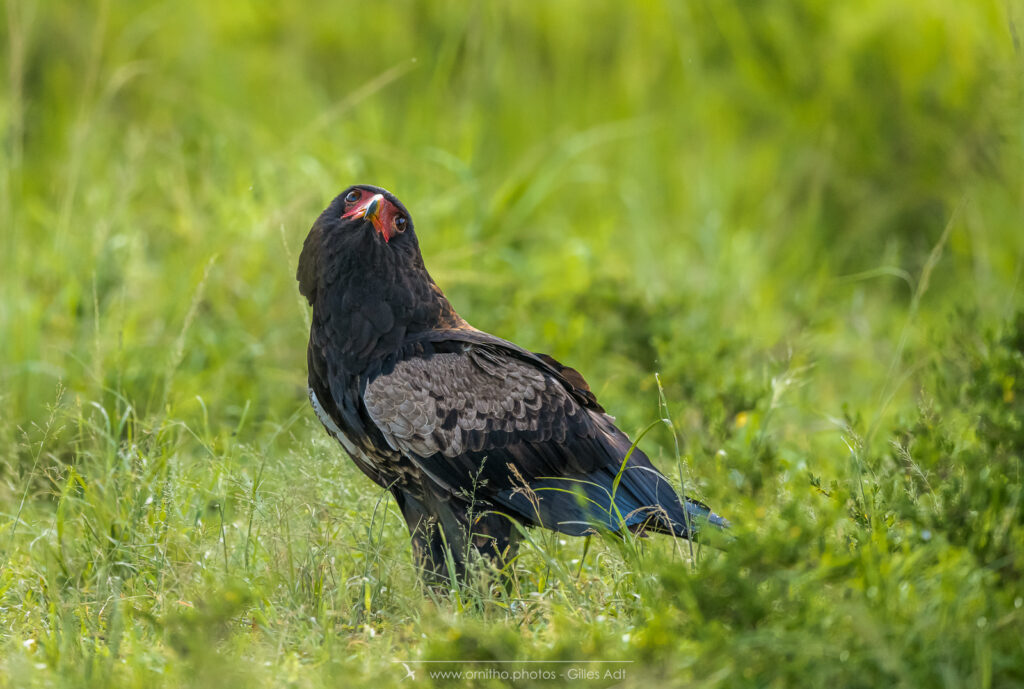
x=794, y=231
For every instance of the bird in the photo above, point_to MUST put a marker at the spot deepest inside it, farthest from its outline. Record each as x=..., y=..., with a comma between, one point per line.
x=474, y=436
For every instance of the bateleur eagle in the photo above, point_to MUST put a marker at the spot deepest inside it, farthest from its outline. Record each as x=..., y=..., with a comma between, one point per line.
x=467, y=430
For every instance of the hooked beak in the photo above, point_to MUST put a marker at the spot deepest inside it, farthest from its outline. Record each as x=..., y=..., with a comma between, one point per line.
x=371, y=211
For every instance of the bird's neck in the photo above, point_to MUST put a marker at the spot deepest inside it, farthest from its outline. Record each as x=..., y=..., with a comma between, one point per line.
x=365, y=318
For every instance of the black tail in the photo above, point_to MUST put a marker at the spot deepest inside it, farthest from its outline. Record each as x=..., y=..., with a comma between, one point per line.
x=640, y=498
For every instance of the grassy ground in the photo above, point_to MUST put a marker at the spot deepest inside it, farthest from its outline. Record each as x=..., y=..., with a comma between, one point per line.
x=792, y=231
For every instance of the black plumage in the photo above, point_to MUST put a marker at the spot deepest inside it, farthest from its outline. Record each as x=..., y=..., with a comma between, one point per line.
x=460, y=425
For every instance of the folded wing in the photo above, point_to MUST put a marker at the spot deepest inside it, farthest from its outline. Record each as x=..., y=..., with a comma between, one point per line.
x=523, y=433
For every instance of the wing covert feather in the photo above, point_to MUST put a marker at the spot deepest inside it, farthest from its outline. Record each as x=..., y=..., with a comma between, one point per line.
x=474, y=400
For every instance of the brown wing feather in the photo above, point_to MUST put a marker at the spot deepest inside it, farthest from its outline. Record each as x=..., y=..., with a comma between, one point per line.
x=457, y=405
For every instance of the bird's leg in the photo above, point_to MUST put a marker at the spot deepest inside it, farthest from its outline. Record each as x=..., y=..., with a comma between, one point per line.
x=439, y=530
x=429, y=552
x=495, y=537
x=438, y=537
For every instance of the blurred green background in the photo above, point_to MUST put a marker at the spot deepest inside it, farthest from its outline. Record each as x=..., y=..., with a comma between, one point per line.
x=806, y=219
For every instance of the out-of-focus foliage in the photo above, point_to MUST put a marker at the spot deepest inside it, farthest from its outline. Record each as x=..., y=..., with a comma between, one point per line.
x=804, y=218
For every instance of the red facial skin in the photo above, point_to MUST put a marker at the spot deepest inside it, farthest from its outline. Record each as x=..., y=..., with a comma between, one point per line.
x=382, y=216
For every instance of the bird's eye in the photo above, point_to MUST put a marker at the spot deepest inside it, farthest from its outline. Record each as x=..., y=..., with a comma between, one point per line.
x=401, y=222
x=352, y=196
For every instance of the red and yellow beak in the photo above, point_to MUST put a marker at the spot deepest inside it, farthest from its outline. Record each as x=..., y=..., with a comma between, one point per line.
x=379, y=212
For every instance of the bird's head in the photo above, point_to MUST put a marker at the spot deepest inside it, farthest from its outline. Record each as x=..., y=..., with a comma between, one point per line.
x=363, y=228
x=362, y=207
x=362, y=272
